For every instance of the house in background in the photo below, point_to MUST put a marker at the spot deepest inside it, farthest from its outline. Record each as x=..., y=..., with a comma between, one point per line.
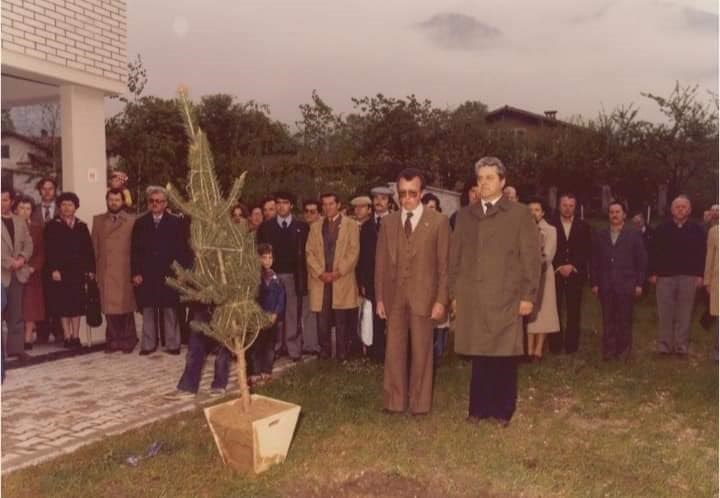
x=520, y=123
x=26, y=159
x=73, y=52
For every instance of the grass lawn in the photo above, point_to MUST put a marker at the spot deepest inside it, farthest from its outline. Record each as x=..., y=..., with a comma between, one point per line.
x=582, y=428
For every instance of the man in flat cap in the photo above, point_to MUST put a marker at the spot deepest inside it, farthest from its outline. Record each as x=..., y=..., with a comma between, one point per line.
x=366, y=266
x=362, y=208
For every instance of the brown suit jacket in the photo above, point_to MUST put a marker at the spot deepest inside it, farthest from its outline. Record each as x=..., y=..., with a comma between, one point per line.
x=111, y=242
x=430, y=243
x=347, y=252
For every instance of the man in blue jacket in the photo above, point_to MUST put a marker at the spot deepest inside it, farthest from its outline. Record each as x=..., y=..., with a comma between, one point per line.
x=617, y=272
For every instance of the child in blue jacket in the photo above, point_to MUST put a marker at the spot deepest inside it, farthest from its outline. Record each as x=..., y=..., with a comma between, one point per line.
x=271, y=298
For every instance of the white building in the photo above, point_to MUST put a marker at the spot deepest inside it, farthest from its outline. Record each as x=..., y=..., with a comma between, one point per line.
x=21, y=155
x=73, y=52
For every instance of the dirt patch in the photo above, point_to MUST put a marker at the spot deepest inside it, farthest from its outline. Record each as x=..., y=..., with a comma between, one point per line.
x=375, y=484
x=368, y=485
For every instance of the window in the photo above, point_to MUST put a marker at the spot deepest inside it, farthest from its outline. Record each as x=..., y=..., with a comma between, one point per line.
x=520, y=133
x=5, y=151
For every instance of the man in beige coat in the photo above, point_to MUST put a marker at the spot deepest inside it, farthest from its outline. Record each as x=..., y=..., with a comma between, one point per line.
x=111, y=237
x=494, y=279
x=17, y=247
x=332, y=252
x=411, y=289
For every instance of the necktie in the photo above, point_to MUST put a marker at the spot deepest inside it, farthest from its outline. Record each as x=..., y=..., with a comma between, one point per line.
x=488, y=205
x=157, y=221
x=284, y=224
x=378, y=220
x=408, y=225
x=47, y=213
x=114, y=218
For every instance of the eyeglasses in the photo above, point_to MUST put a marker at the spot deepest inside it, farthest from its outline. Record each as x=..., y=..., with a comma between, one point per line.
x=412, y=194
x=311, y=211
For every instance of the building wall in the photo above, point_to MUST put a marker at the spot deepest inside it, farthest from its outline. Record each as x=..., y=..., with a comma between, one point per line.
x=85, y=35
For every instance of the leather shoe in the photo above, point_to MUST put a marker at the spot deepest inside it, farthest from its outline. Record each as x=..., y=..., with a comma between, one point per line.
x=145, y=352
x=173, y=351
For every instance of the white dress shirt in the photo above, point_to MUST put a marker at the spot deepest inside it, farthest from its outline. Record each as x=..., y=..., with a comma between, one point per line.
x=416, y=214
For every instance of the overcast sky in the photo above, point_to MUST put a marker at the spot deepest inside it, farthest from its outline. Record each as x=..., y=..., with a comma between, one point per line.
x=575, y=56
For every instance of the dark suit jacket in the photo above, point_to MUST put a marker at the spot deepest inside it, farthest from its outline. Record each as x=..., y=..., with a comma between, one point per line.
x=269, y=232
x=152, y=253
x=366, y=264
x=620, y=267
x=575, y=250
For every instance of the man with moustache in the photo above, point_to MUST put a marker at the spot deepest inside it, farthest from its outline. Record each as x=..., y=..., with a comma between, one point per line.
x=617, y=273
x=411, y=292
x=494, y=278
x=366, y=266
x=112, y=238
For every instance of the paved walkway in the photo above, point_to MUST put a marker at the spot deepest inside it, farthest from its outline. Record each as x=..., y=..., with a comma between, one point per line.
x=56, y=407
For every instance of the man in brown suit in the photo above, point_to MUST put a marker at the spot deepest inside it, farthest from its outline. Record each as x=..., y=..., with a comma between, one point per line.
x=111, y=237
x=332, y=252
x=494, y=279
x=411, y=289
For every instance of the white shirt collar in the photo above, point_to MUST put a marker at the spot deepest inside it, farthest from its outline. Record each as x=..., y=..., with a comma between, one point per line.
x=417, y=212
x=491, y=201
x=287, y=219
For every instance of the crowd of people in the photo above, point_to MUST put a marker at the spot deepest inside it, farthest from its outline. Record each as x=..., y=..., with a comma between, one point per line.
x=386, y=273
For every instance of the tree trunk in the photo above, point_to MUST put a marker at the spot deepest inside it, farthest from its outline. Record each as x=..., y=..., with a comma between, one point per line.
x=241, y=367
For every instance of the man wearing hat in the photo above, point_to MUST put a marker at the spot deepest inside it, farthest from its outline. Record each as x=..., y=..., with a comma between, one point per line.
x=366, y=274
x=362, y=208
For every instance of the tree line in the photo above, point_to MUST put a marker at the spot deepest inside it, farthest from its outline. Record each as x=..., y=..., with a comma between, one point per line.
x=348, y=153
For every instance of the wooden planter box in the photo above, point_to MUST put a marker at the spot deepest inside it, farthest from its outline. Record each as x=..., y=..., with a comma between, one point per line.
x=254, y=441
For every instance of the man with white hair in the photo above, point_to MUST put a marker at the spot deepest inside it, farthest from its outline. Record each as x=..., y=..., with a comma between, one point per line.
x=158, y=239
x=677, y=263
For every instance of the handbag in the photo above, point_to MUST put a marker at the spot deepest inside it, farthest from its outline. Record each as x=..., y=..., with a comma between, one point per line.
x=366, y=322
x=93, y=314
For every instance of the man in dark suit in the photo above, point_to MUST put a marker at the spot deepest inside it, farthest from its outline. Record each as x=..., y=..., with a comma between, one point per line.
x=287, y=236
x=617, y=272
x=366, y=267
x=44, y=212
x=574, y=239
x=158, y=239
x=411, y=289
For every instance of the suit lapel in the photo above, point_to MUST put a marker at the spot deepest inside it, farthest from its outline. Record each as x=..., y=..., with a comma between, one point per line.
x=420, y=231
x=393, y=232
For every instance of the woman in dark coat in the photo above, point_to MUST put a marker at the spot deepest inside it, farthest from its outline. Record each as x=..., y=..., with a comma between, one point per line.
x=70, y=261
